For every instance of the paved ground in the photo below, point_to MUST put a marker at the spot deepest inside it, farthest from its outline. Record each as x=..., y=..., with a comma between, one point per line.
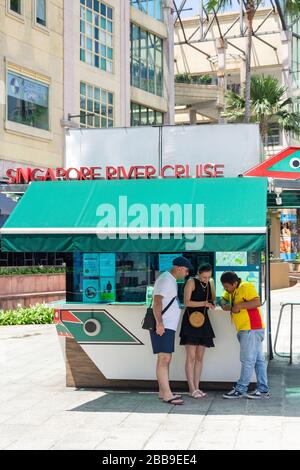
x=37, y=411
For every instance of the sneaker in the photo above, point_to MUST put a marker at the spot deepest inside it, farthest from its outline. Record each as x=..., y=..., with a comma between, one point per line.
x=257, y=395
x=234, y=394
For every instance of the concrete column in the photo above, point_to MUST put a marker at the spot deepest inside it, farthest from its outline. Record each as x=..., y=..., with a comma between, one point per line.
x=69, y=59
x=193, y=116
x=125, y=64
x=275, y=234
x=222, y=82
x=169, y=63
x=286, y=60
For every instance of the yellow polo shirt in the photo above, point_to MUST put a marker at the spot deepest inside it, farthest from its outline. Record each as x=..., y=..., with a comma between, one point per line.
x=246, y=319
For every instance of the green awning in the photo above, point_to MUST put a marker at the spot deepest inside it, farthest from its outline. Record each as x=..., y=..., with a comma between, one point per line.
x=289, y=200
x=139, y=215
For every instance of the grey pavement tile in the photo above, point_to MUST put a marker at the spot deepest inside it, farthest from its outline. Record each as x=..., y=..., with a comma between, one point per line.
x=30, y=417
x=35, y=402
x=108, y=421
x=115, y=444
x=19, y=405
x=15, y=431
x=257, y=439
x=216, y=445
x=75, y=445
x=6, y=441
x=214, y=439
x=32, y=444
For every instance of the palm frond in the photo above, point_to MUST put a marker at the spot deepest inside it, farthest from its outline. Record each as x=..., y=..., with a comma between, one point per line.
x=268, y=104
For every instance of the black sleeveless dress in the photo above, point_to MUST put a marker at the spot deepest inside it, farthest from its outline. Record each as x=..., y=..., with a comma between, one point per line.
x=198, y=336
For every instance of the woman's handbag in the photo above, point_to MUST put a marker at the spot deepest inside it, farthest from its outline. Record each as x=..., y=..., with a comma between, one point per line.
x=149, y=322
x=196, y=318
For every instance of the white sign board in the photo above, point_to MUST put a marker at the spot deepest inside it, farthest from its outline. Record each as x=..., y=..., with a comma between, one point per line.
x=116, y=146
x=234, y=147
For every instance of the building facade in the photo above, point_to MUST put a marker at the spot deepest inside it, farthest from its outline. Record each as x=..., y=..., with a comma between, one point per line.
x=80, y=63
x=118, y=62
x=31, y=83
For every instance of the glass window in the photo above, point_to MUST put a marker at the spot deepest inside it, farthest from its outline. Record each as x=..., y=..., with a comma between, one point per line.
x=100, y=103
x=143, y=116
x=273, y=136
x=146, y=61
x=27, y=101
x=41, y=12
x=121, y=277
x=151, y=62
x=16, y=6
x=135, y=114
x=149, y=7
x=96, y=27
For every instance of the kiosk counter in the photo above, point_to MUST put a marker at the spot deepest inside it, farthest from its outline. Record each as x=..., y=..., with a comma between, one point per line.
x=118, y=237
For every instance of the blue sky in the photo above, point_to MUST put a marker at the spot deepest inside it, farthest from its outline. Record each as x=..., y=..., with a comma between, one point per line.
x=194, y=4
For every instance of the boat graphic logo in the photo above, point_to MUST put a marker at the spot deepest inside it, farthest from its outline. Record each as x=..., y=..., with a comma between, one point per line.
x=285, y=164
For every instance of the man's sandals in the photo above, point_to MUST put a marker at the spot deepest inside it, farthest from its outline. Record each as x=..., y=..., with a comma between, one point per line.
x=197, y=394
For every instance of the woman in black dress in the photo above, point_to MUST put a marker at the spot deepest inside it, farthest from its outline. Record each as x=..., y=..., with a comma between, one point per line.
x=199, y=295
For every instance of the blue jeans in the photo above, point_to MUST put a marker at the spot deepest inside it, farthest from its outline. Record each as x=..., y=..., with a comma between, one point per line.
x=252, y=358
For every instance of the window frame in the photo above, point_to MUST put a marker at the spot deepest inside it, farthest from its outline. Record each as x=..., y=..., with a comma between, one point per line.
x=97, y=41
x=268, y=140
x=134, y=106
x=142, y=63
x=157, y=6
x=36, y=24
x=20, y=128
x=100, y=116
x=14, y=14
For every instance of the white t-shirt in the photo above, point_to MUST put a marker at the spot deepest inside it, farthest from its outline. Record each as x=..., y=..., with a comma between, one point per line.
x=166, y=286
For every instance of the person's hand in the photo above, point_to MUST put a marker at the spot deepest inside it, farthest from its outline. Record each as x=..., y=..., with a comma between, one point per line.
x=236, y=308
x=210, y=305
x=226, y=308
x=160, y=329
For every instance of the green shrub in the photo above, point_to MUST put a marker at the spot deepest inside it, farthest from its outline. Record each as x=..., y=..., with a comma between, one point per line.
x=188, y=78
x=37, y=315
x=31, y=270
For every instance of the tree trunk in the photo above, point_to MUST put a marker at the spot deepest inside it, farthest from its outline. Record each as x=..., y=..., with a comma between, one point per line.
x=250, y=11
x=263, y=128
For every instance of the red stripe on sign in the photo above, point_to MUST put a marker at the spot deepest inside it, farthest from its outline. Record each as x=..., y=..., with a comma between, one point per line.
x=67, y=335
x=69, y=317
x=255, y=319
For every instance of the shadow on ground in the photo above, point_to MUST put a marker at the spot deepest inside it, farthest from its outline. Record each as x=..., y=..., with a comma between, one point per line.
x=284, y=380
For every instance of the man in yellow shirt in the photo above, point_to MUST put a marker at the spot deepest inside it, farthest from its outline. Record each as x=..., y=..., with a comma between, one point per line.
x=241, y=299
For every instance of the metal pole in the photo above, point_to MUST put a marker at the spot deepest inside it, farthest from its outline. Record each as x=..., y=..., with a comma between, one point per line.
x=241, y=18
x=201, y=20
x=291, y=338
x=268, y=295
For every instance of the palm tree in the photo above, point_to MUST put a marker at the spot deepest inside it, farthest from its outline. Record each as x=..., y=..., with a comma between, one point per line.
x=250, y=7
x=268, y=104
x=291, y=6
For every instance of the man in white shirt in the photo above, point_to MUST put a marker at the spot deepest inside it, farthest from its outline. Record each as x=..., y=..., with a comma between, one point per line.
x=167, y=311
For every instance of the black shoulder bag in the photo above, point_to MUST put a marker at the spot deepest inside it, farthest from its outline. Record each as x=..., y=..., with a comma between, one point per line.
x=149, y=322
